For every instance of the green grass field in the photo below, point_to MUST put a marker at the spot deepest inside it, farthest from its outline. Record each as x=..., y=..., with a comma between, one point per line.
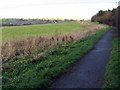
x=23, y=73
x=20, y=32
x=31, y=63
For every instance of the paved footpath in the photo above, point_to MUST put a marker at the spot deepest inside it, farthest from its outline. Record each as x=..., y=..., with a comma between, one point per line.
x=89, y=72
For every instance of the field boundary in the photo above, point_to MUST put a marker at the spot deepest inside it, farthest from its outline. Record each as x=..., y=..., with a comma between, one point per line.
x=54, y=63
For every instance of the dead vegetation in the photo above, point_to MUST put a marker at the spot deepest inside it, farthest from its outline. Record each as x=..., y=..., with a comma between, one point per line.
x=40, y=44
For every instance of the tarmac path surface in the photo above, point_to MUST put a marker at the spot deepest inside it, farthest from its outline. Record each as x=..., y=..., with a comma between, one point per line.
x=89, y=72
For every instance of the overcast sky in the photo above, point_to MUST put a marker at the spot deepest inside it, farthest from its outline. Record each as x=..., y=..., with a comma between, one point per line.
x=83, y=9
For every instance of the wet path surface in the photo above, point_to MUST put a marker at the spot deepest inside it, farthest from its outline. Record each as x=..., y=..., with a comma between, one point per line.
x=89, y=72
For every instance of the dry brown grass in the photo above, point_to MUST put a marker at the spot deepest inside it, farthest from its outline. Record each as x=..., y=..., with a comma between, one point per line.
x=40, y=44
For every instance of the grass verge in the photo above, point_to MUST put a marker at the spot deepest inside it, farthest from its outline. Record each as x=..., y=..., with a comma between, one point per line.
x=113, y=68
x=23, y=73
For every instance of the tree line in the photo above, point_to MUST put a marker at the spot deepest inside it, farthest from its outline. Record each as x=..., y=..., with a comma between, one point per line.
x=109, y=17
x=21, y=22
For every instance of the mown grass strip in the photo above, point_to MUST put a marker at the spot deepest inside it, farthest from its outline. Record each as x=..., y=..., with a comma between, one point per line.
x=22, y=73
x=113, y=68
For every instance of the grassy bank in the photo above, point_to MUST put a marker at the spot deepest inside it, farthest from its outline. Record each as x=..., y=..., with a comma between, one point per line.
x=25, y=72
x=113, y=68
